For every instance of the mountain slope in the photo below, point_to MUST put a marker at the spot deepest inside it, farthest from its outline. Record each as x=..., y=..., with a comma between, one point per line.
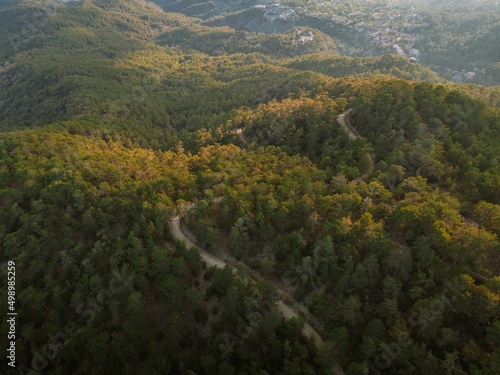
x=116, y=117
x=342, y=66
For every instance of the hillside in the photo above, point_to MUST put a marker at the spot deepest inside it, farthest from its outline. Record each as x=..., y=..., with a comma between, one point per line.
x=355, y=201
x=224, y=40
x=343, y=66
x=204, y=9
x=456, y=39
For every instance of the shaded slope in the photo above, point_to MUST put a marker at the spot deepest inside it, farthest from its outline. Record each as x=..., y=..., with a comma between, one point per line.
x=343, y=66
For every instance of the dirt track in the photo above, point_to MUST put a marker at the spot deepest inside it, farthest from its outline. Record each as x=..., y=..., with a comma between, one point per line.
x=177, y=232
x=343, y=120
x=211, y=260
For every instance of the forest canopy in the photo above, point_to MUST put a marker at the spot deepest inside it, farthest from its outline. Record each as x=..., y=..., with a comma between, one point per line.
x=360, y=195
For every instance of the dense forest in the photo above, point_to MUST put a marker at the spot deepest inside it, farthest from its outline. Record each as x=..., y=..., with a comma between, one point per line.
x=360, y=193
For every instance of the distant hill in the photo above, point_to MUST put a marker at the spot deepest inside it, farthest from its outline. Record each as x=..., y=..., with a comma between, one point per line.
x=342, y=66
x=256, y=19
x=204, y=9
x=224, y=40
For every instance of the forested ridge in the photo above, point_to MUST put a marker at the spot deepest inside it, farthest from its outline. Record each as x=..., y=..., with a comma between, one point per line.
x=116, y=116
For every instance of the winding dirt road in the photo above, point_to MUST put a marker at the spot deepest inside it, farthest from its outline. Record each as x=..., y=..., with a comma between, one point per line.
x=175, y=229
x=213, y=261
x=307, y=329
x=352, y=134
